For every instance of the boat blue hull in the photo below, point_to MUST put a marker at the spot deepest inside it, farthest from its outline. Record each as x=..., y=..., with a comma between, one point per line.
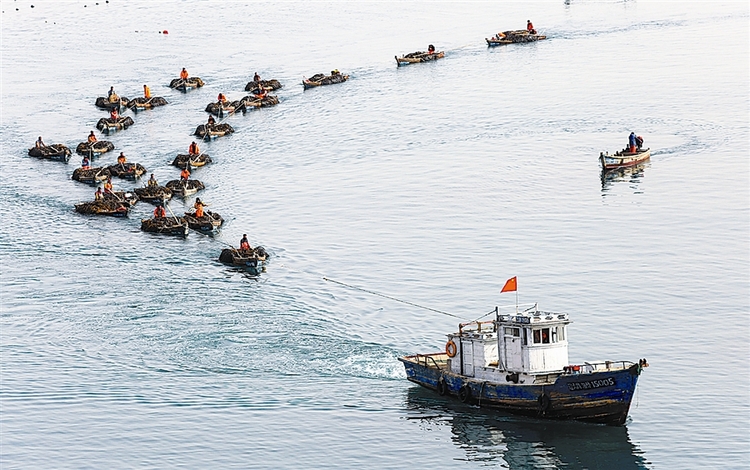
x=599, y=397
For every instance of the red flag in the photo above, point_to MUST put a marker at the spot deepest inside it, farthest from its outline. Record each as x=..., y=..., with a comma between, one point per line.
x=510, y=285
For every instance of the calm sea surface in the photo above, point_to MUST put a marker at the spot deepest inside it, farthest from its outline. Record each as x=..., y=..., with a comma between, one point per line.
x=432, y=183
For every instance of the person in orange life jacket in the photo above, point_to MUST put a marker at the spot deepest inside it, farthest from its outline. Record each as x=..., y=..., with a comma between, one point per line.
x=121, y=160
x=198, y=208
x=530, y=27
x=184, y=74
x=160, y=212
x=194, y=149
x=221, y=99
x=85, y=163
x=92, y=137
x=146, y=92
x=185, y=174
x=108, y=185
x=114, y=115
x=244, y=244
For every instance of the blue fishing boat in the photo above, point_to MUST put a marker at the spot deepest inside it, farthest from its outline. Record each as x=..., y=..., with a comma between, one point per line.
x=519, y=363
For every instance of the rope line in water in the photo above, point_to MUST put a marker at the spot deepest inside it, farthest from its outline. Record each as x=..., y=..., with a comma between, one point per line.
x=392, y=298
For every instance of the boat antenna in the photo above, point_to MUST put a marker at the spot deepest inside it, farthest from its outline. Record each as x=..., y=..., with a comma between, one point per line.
x=392, y=298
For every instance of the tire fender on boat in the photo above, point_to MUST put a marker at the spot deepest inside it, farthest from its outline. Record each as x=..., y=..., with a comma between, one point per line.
x=442, y=386
x=544, y=403
x=450, y=348
x=464, y=393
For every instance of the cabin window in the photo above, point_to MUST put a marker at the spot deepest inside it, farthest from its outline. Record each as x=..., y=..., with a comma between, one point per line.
x=554, y=334
x=545, y=335
x=525, y=336
x=513, y=332
x=537, y=336
x=561, y=333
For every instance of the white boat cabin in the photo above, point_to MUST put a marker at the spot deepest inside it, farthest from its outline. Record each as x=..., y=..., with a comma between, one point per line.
x=527, y=347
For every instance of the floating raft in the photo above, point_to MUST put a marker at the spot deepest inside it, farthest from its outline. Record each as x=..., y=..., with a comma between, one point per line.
x=154, y=194
x=90, y=175
x=105, y=103
x=320, y=79
x=196, y=161
x=418, y=57
x=127, y=171
x=166, y=226
x=102, y=207
x=623, y=158
x=57, y=152
x=94, y=149
x=190, y=82
x=209, y=223
x=254, y=102
x=146, y=103
x=185, y=188
x=514, y=37
x=207, y=131
x=268, y=85
x=107, y=124
x=126, y=198
x=243, y=258
x=222, y=109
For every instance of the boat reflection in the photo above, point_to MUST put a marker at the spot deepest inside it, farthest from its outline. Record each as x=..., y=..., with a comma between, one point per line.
x=525, y=443
x=632, y=174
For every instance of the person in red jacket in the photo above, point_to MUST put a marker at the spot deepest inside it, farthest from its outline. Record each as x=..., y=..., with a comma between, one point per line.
x=159, y=212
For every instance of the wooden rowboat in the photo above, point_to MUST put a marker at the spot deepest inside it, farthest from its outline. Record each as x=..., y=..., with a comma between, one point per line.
x=90, y=175
x=108, y=125
x=94, y=149
x=513, y=37
x=166, y=226
x=125, y=198
x=184, y=85
x=195, y=161
x=418, y=57
x=57, y=152
x=185, y=188
x=209, y=223
x=320, y=80
x=244, y=258
x=623, y=158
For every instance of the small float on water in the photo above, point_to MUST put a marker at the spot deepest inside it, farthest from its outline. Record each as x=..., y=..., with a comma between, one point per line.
x=140, y=103
x=267, y=85
x=103, y=207
x=251, y=258
x=419, y=56
x=320, y=79
x=513, y=37
x=195, y=161
x=110, y=125
x=154, y=194
x=110, y=104
x=624, y=158
x=519, y=363
x=175, y=226
x=127, y=171
x=57, y=152
x=208, y=131
x=211, y=222
x=185, y=188
x=90, y=175
x=95, y=149
x=186, y=84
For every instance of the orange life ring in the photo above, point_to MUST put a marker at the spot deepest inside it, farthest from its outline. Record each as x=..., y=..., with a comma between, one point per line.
x=450, y=348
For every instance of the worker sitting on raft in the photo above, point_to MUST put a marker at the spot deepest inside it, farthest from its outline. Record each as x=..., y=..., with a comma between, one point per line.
x=40, y=143
x=199, y=208
x=160, y=212
x=194, y=149
x=430, y=49
x=92, y=137
x=244, y=244
x=185, y=175
x=152, y=183
x=184, y=74
x=530, y=27
x=146, y=92
x=114, y=116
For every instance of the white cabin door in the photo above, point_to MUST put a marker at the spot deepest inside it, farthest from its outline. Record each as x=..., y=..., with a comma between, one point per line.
x=467, y=353
x=513, y=358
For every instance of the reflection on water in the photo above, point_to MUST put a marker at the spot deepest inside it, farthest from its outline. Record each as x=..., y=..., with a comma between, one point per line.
x=632, y=174
x=522, y=443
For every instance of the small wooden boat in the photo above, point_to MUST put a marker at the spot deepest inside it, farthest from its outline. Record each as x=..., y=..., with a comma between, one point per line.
x=209, y=223
x=208, y=131
x=244, y=258
x=108, y=125
x=126, y=198
x=105, y=103
x=57, y=152
x=146, y=103
x=513, y=37
x=90, y=175
x=268, y=85
x=166, y=226
x=127, y=171
x=184, y=85
x=94, y=149
x=623, y=158
x=224, y=109
x=185, y=188
x=195, y=161
x=418, y=57
x=251, y=101
x=154, y=194
x=102, y=207
x=320, y=79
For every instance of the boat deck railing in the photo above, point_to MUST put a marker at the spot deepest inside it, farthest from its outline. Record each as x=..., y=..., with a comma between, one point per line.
x=589, y=367
x=435, y=360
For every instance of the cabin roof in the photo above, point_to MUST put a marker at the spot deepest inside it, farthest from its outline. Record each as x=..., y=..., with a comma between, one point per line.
x=534, y=318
